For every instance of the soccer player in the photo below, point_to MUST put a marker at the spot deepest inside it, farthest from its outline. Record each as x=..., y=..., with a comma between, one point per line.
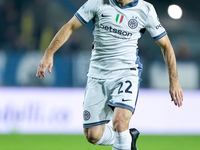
x=114, y=72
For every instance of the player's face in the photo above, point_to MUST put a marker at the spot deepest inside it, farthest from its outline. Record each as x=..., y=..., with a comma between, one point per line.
x=120, y=1
x=124, y=1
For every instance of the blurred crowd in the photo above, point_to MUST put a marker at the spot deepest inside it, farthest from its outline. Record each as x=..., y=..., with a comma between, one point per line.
x=30, y=25
x=27, y=25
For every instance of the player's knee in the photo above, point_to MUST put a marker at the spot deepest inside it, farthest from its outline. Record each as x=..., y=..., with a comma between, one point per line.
x=92, y=136
x=121, y=119
x=91, y=139
x=119, y=125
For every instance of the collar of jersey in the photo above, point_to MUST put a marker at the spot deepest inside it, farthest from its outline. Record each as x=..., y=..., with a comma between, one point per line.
x=131, y=4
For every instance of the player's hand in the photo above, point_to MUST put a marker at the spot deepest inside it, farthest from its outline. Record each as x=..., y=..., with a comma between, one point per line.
x=46, y=62
x=176, y=93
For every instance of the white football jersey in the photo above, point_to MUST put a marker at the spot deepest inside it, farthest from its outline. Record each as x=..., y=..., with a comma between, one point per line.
x=116, y=33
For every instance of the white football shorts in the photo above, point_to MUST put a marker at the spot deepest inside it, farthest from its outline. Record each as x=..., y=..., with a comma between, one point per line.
x=102, y=95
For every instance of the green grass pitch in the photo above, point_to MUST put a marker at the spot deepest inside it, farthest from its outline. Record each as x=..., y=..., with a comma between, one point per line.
x=78, y=142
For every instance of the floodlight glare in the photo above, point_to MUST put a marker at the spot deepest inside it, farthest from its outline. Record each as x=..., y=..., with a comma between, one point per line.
x=175, y=11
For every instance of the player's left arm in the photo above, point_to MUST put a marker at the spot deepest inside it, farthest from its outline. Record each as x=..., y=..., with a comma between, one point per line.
x=170, y=59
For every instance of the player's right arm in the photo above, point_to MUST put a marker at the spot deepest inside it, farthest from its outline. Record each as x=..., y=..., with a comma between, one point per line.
x=60, y=38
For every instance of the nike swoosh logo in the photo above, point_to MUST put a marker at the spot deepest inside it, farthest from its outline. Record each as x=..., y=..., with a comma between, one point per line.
x=102, y=15
x=124, y=100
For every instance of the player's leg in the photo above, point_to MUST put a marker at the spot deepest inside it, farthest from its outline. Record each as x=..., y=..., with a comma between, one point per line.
x=94, y=134
x=100, y=135
x=125, y=138
x=121, y=119
x=96, y=113
x=124, y=99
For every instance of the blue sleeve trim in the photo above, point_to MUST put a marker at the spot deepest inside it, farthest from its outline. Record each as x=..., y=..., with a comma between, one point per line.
x=88, y=125
x=160, y=36
x=80, y=18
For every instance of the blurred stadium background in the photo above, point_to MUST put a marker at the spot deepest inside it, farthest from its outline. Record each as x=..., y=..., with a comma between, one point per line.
x=39, y=114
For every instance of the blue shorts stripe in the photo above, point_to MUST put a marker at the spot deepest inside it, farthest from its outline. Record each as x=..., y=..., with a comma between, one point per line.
x=95, y=124
x=120, y=148
x=122, y=106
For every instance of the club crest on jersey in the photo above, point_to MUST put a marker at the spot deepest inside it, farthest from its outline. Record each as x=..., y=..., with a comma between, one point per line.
x=133, y=23
x=119, y=18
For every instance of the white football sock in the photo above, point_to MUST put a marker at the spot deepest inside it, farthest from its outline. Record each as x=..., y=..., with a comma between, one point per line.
x=107, y=137
x=122, y=141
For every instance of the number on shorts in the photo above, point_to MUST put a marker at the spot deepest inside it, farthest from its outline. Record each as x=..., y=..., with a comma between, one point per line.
x=120, y=91
x=127, y=90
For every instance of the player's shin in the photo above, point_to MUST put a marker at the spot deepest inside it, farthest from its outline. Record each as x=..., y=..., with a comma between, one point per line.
x=107, y=137
x=122, y=141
